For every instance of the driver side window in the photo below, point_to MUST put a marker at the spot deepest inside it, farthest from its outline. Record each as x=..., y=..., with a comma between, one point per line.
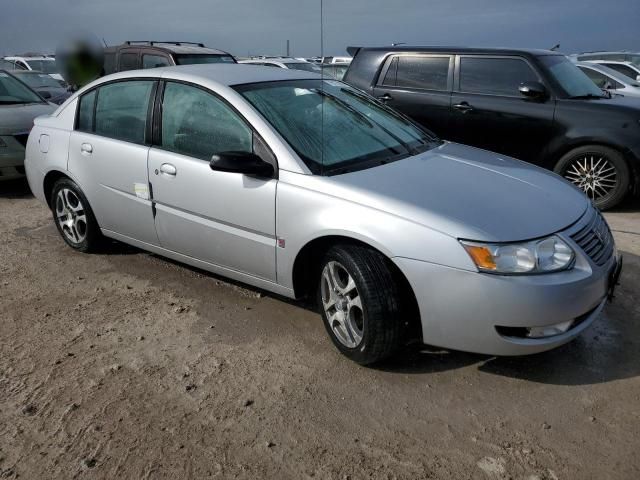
x=197, y=124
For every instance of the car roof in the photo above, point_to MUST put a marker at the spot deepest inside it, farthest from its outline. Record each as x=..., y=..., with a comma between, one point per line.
x=29, y=58
x=453, y=49
x=224, y=74
x=180, y=49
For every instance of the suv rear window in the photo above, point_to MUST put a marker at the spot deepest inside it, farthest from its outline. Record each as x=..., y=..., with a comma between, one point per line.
x=128, y=61
x=494, y=76
x=418, y=71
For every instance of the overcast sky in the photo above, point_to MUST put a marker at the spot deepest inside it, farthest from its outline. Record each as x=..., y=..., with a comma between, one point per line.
x=262, y=27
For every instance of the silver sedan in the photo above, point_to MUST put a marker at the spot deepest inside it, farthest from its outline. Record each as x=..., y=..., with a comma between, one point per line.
x=305, y=186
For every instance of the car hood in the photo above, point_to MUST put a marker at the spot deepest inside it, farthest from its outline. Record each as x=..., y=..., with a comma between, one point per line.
x=467, y=193
x=19, y=118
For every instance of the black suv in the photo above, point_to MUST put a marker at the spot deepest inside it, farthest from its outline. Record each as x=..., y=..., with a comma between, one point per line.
x=534, y=105
x=148, y=54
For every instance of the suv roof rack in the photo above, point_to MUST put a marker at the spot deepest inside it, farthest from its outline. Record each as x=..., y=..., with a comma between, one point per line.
x=155, y=42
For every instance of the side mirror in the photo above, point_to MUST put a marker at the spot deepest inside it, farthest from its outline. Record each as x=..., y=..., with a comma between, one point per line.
x=45, y=94
x=241, y=162
x=535, y=90
x=637, y=78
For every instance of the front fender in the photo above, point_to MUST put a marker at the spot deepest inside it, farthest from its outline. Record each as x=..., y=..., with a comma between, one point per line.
x=305, y=215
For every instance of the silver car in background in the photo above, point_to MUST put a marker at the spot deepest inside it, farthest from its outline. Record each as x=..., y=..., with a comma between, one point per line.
x=19, y=105
x=304, y=186
x=610, y=80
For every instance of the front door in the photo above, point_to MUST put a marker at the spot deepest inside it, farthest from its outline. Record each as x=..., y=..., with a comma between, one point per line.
x=489, y=112
x=420, y=87
x=227, y=219
x=108, y=157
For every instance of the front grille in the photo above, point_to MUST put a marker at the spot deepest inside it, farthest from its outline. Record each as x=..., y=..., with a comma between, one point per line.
x=22, y=138
x=595, y=239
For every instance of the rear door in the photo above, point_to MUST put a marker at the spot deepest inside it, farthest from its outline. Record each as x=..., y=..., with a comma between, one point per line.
x=489, y=112
x=108, y=156
x=419, y=85
x=226, y=219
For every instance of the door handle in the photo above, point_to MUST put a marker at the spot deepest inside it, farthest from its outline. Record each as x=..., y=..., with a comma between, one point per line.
x=168, y=169
x=463, y=107
x=86, y=148
x=385, y=98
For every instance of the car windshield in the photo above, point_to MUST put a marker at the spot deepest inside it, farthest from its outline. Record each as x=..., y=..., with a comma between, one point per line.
x=193, y=59
x=307, y=67
x=37, y=80
x=335, y=128
x=571, y=79
x=14, y=92
x=45, y=66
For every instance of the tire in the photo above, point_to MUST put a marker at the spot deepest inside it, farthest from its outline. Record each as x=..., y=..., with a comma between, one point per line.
x=368, y=330
x=74, y=217
x=600, y=172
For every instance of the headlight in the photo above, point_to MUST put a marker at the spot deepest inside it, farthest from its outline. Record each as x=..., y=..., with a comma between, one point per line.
x=539, y=256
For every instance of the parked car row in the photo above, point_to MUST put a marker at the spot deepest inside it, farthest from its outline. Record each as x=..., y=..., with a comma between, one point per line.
x=212, y=164
x=533, y=105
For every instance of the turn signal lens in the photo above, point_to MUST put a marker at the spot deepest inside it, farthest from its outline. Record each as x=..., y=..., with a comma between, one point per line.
x=541, y=256
x=481, y=256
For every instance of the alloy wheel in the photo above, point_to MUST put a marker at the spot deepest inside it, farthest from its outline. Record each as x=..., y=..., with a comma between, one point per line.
x=594, y=174
x=342, y=304
x=71, y=215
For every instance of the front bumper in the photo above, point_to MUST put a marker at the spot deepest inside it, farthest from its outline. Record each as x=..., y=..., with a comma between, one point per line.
x=485, y=313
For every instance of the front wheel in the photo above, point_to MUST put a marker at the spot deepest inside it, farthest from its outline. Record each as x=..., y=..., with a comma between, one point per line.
x=360, y=303
x=600, y=172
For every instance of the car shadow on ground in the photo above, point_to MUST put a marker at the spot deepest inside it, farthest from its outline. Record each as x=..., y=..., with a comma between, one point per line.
x=15, y=189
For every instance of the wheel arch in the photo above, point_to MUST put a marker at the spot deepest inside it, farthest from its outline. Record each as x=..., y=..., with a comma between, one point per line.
x=49, y=181
x=306, y=270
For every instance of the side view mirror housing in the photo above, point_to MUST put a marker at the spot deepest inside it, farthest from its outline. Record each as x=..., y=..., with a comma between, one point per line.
x=637, y=78
x=534, y=90
x=241, y=162
x=45, y=94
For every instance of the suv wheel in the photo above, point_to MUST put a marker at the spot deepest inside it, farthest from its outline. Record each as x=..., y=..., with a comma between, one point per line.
x=600, y=172
x=73, y=216
x=360, y=303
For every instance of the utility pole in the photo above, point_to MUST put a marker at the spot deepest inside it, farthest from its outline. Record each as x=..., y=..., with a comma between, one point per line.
x=288, y=49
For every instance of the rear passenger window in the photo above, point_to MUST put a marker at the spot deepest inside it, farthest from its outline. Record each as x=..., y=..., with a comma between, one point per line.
x=429, y=73
x=623, y=69
x=85, y=112
x=121, y=110
x=128, y=61
x=494, y=76
x=154, y=61
x=390, y=77
x=198, y=124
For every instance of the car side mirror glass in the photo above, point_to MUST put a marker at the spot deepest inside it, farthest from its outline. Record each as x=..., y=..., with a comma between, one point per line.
x=534, y=90
x=246, y=163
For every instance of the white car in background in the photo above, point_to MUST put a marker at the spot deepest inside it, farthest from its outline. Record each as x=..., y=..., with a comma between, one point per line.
x=45, y=64
x=629, y=69
x=609, y=79
x=284, y=62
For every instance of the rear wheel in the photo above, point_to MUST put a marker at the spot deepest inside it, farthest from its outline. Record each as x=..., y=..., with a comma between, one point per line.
x=73, y=216
x=360, y=303
x=600, y=172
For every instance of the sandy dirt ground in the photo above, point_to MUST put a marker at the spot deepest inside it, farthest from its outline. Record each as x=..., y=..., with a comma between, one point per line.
x=126, y=365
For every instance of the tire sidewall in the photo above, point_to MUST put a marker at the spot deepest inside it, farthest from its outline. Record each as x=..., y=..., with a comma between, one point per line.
x=92, y=237
x=616, y=159
x=360, y=353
